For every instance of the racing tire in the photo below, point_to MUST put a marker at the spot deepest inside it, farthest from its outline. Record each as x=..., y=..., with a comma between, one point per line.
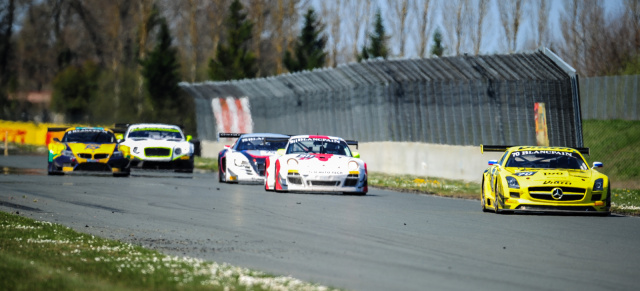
x=51, y=170
x=496, y=204
x=483, y=200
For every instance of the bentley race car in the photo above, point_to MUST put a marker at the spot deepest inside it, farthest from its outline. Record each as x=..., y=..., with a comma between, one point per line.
x=317, y=163
x=245, y=160
x=159, y=146
x=87, y=149
x=548, y=179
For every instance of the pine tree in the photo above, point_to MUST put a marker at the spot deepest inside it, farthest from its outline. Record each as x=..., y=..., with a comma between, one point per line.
x=234, y=60
x=378, y=41
x=161, y=73
x=437, y=49
x=309, y=48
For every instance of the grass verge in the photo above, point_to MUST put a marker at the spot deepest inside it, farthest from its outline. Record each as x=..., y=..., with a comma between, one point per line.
x=36, y=255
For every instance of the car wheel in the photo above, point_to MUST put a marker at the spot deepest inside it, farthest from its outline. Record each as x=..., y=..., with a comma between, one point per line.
x=496, y=204
x=483, y=199
x=221, y=172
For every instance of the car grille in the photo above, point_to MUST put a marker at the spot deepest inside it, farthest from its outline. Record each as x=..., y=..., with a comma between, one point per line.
x=93, y=167
x=157, y=152
x=100, y=156
x=323, y=183
x=294, y=178
x=351, y=181
x=568, y=193
x=90, y=156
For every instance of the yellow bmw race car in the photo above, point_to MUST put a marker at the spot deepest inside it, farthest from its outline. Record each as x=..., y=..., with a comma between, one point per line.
x=544, y=179
x=87, y=149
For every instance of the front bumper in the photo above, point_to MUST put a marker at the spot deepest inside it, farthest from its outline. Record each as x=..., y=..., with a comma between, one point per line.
x=65, y=164
x=349, y=183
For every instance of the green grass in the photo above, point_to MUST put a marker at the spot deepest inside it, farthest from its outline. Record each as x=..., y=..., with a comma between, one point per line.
x=37, y=255
x=616, y=143
x=207, y=164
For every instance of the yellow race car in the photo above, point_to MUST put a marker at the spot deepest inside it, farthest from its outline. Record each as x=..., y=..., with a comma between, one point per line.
x=544, y=179
x=87, y=149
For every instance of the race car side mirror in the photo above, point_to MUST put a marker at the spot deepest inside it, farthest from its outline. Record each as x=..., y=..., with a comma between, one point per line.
x=597, y=165
x=189, y=137
x=492, y=162
x=56, y=139
x=356, y=155
x=280, y=152
x=120, y=140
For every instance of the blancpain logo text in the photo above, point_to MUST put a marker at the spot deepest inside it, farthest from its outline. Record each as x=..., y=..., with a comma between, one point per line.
x=556, y=183
x=524, y=153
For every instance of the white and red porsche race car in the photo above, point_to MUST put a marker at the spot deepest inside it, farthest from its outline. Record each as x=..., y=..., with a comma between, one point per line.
x=245, y=160
x=318, y=164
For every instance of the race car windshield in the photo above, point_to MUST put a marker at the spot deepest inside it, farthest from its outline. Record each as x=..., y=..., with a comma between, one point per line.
x=89, y=136
x=258, y=143
x=316, y=146
x=546, y=160
x=156, y=134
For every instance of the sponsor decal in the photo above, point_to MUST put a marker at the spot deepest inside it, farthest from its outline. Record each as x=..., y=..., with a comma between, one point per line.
x=553, y=174
x=315, y=138
x=86, y=130
x=525, y=174
x=556, y=183
x=326, y=172
x=321, y=157
x=246, y=139
x=524, y=153
x=92, y=147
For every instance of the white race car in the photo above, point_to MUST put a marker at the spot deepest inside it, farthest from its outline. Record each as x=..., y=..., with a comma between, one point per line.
x=319, y=164
x=159, y=146
x=245, y=160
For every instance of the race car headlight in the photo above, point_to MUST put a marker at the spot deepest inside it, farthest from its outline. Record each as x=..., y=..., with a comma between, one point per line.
x=135, y=150
x=353, y=165
x=67, y=153
x=177, y=151
x=598, y=185
x=513, y=183
x=292, y=163
x=117, y=154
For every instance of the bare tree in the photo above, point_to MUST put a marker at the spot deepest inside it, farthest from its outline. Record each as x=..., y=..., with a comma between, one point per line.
x=543, y=22
x=511, y=19
x=424, y=22
x=360, y=14
x=398, y=14
x=456, y=23
x=479, y=15
x=331, y=12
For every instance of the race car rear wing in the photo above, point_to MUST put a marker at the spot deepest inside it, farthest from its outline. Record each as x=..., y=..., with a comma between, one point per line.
x=54, y=129
x=502, y=148
x=276, y=139
x=352, y=142
x=229, y=135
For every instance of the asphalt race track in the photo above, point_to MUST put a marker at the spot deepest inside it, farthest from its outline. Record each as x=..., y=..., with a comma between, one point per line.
x=383, y=241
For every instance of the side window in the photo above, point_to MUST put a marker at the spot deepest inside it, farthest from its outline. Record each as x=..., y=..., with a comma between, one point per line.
x=502, y=158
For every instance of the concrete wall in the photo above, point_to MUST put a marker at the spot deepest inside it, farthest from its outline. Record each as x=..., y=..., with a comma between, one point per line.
x=421, y=159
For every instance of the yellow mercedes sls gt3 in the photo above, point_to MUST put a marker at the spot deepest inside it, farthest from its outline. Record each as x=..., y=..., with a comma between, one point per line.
x=544, y=179
x=88, y=149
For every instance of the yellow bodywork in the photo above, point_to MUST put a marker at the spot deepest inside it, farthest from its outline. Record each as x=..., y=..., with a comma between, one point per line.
x=538, y=188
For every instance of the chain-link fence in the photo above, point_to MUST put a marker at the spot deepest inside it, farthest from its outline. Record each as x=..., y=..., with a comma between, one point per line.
x=460, y=100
